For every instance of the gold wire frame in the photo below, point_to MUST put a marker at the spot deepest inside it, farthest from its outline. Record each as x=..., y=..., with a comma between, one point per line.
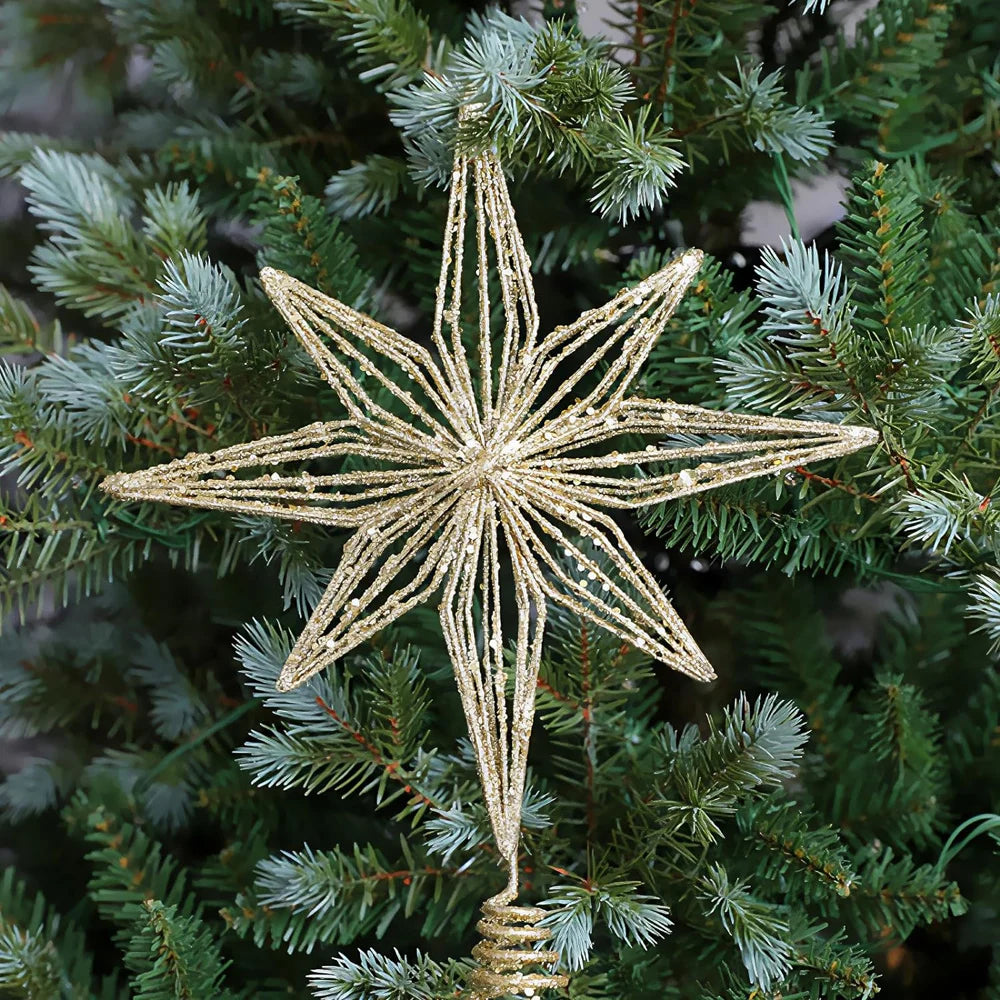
x=501, y=465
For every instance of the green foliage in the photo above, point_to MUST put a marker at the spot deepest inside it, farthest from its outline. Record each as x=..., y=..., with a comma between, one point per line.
x=173, y=957
x=373, y=974
x=632, y=917
x=828, y=799
x=550, y=84
x=639, y=170
x=41, y=955
x=367, y=187
x=887, y=71
x=22, y=333
x=299, y=237
x=129, y=869
x=756, y=928
x=872, y=344
x=756, y=107
x=388, y=39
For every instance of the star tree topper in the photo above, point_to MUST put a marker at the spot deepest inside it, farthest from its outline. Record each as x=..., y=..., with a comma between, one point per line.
x=479, y=474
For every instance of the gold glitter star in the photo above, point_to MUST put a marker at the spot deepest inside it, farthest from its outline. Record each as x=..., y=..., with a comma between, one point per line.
x=480, y=476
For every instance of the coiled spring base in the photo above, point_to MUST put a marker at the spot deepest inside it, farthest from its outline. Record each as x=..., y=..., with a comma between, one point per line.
x=508, y=964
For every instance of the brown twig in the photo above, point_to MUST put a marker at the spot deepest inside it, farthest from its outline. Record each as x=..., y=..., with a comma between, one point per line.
x=586, y=710
x=392, y=768
x=668, y=49
x=836, y=484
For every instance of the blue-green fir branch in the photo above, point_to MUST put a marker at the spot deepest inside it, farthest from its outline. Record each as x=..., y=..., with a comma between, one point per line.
x=548, y=86
x=758, y=106
x=758, y=929
x=389, y=39
x=372, y=975
x=618, y=907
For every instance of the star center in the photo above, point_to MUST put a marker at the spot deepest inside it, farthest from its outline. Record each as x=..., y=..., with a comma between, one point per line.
x=485, y=465
x=479, y=465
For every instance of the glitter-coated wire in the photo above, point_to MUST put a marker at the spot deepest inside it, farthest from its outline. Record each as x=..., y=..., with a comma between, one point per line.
x=510, y=957
x=500, y=471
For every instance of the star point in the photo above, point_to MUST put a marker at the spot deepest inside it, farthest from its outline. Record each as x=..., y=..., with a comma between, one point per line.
x=117, y=485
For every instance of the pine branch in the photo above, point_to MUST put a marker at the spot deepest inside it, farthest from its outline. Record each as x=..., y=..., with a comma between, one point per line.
x=984, y=605
x=173, y=957
x=22, y=333
x=347, y=743
x=756, y=106
x=982, y=327
x=42, y=954
x=390, y=40
x=810, y=319
x=783, y=849
x=639, y=168
x=952, y=520
x=903, y=729
x=372, y=974
x=366, y=188
x=301, y=238
x=758, y=930
x=711, y=321
x=305, y=898
x=753, y=747
x=294, y=549
x=29, y=791
x=549, y=85
x=895, y=46
x=28, y=966
x=894, y=896
x=633, y=918
x=836, y=969
x=130, y=869
x=94, y=260
x=54, y=559
x=177, y=705
x=882, y=237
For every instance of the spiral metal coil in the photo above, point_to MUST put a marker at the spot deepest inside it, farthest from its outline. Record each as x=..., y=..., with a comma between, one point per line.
x=508, y=964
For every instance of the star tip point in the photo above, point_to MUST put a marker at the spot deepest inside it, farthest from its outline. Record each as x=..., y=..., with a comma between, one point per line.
x=864, y=436
x=694, y=664
x=271, y=279
x=114, y=485
x=690, y=263
x=284, y=683
x=704, y=671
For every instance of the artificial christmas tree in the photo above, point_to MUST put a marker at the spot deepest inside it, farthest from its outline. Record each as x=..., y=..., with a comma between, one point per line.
x=827, y=834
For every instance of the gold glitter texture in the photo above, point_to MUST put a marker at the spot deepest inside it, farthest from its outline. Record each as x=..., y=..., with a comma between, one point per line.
x=478, y=474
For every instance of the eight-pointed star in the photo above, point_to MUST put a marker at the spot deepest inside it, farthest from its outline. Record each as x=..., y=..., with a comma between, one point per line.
x=470, y=474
